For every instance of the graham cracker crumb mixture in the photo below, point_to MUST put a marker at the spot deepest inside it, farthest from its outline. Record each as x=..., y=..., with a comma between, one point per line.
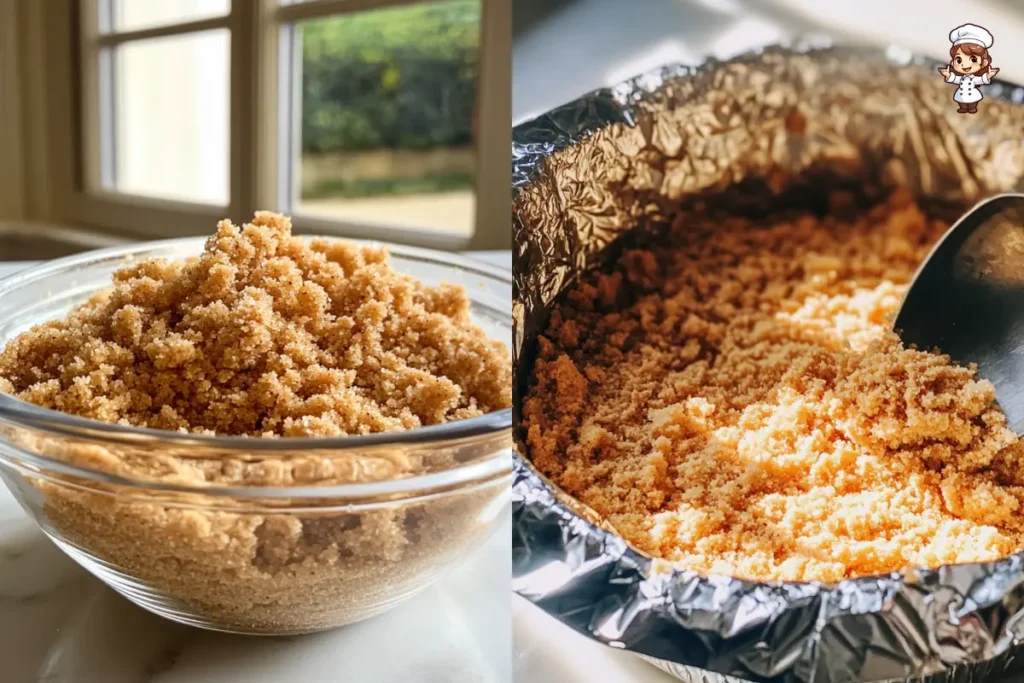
x=265, y=335
x=734, y=403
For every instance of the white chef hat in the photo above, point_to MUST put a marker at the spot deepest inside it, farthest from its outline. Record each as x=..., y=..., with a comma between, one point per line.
x=971, y=33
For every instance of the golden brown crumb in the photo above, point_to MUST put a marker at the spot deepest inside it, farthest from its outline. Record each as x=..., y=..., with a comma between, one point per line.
x=265, y=334
x=736, y=404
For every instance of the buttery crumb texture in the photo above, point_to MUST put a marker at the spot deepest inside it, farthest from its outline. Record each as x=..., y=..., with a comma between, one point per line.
x=734, y=403
x=265, y=334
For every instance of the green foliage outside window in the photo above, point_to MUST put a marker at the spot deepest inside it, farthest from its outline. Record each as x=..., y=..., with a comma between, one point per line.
x=402, y=78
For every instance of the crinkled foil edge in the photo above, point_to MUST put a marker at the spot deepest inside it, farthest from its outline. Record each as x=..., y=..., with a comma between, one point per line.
x=952, y=624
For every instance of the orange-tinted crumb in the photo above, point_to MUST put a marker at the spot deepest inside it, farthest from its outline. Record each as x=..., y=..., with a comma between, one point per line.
x=265, y=334
x=735, y=403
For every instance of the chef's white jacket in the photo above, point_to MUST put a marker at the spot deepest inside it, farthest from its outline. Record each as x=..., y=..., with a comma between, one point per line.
x=968, y=90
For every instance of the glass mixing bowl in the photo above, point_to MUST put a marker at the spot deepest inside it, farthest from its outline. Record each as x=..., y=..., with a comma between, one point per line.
x=371, y=520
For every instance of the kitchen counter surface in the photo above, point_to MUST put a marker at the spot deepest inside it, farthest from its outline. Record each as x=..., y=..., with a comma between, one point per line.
x=58, y=624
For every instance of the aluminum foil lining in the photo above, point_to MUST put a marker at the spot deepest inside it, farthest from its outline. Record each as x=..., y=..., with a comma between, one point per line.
x=785, y=122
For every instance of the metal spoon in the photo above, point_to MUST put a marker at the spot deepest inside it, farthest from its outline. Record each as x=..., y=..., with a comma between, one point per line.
x=967, y=299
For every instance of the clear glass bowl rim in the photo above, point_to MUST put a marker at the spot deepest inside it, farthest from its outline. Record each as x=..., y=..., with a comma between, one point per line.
x=452, y=434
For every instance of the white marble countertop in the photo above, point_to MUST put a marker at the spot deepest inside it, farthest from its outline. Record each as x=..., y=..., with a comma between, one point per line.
x=59, y=624
x=547, y=651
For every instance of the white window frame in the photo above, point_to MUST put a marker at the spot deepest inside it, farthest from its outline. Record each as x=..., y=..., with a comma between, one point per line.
x=261, y=30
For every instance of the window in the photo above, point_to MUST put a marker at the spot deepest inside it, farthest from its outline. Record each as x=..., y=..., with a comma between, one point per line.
x=385, y=115
x=356, y=117
x=168, y=112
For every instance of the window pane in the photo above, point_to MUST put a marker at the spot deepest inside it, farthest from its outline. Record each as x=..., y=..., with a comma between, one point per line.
x=132, y=15
x=171, y=117
x=387, y=116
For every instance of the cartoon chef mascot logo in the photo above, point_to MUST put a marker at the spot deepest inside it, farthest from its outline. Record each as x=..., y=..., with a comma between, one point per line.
x=970, y=66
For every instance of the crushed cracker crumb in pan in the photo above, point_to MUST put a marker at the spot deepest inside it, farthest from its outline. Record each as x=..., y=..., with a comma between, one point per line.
x=734, y=402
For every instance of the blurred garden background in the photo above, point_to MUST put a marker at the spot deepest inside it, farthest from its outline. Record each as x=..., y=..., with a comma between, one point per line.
x=387, y=122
